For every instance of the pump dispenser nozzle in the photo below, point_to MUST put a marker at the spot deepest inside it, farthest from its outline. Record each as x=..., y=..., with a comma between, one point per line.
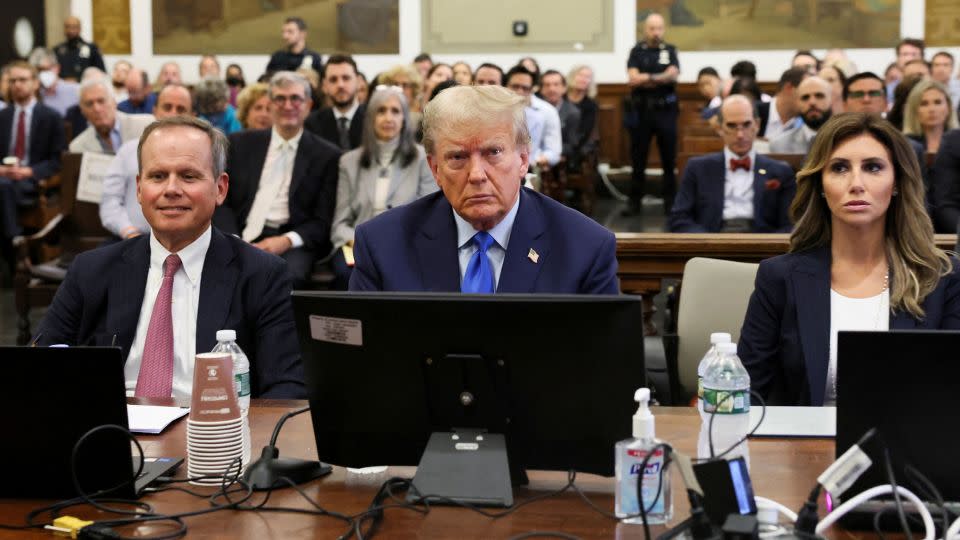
x=643, y=421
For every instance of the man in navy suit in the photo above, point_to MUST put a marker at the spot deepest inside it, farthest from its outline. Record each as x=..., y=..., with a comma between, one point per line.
x=735, y=190
x=342, y=123
x=284, y=182
x=32, y=133
x=162, y=297
x=482, y=232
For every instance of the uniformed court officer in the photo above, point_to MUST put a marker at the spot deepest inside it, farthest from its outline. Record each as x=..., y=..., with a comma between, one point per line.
x=652, y=72
x=75, y=54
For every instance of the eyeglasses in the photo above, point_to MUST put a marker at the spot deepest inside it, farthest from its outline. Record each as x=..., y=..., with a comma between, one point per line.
x=734, y=128
x=520, y=88
x=294, y=100
x=859, y=94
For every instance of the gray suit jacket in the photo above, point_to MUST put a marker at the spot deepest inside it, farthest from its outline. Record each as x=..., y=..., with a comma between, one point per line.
x=792, y=141
x=357, y=186
x=131, y=126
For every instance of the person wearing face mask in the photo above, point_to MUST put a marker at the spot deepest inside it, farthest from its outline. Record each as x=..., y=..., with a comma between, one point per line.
x=862, y=257
x=813, y=99
x=388, y=170
x=76, y=54
x=235, y=82
x=57, y=94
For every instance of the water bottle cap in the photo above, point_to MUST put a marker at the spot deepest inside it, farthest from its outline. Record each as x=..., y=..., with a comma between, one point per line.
x=727, y=348
x=226, y=335
x=720, y=337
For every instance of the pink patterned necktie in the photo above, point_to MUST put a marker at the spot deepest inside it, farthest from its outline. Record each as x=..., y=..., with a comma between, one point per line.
x=156, y=365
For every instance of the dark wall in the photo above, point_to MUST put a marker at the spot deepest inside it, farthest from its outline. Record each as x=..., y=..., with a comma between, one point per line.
x=12, y=11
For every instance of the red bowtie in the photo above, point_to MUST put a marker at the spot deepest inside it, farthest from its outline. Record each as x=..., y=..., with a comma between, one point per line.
x=742, y=163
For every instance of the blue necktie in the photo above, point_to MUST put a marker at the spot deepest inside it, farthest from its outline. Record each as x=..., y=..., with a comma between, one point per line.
x=479, y=275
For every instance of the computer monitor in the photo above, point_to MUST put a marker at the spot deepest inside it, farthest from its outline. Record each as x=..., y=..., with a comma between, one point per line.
x=554, y=374
x=905, y=384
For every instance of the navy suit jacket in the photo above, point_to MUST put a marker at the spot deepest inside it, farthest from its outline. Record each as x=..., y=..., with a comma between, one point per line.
x=324, y=124
x=946, y=183
x=313, y=186
x=46, y=139
x=241, y=288
x=699, y=203
x=414, y=248
x=785, y=339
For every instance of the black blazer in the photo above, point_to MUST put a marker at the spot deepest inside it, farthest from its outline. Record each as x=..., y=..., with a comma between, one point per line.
x=785, y=339
x=946, y=183
x=46, y=138
x=313, y=186
x=699, y=203
x=241, y=288
x=764, y=110
x=324, y=124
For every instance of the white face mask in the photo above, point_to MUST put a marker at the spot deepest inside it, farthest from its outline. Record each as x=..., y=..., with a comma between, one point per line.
x=47, y=78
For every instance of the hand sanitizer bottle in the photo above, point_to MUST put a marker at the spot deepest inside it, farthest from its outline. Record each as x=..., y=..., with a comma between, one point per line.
x=656, y=497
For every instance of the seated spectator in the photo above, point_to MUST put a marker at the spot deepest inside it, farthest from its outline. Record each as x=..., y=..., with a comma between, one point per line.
x=363, y=88
x=388, y=170
x=531, y=64
x=423, y=63
x=946, y=184
x=709, y=84
x=211, y=97
x=805, y=60
x=462, y=73
x=744, y=69
x=736, y=190
x=120, y=211
x=313, y=77
x=813, y=101
x=839, y=59
x=581, y=92
x=209, y=67
x=119, y=78
x=235, y=82
x=553, y=86
x=140, y=98
x=941, y=70
x=744, y=86
x=488, y=74
x=900, y=95
x=862, y=257
x=4, y=87
x=836, y=79
x=892, y=75
x=780, y=114
x=545, y=141
x=908, y=50
x=918, y=68
x=74, y=115
x=438, y=73
x=407, y=77
x=929, y=114
x=32, y=133
x=341, y=124
x=107, y=127
x=57, y=94
x=169, y=74
x=253, y=107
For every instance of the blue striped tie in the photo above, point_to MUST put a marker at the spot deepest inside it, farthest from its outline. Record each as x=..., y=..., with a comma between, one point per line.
x=479, y=275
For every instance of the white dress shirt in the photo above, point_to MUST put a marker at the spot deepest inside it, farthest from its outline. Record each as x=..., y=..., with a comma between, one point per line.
x=775, y=124
x=853, y=314
x=27, y=117
x=497, y=251
x=738, y=187
x=381, y=190
x=279, y=212
x=552, y=143
x=120, y=211
x=337, y=115
x=183, y=312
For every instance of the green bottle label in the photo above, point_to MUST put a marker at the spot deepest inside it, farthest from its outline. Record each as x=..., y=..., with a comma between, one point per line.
x=242, y=383
x=700, y=388
x=726, y=401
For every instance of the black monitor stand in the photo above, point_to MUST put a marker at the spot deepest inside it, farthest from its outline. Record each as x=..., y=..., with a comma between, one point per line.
x=467, y=466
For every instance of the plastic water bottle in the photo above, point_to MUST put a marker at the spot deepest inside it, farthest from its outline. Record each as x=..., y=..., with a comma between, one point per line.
x=726, y=389
x=715, y=339
x=227, y=343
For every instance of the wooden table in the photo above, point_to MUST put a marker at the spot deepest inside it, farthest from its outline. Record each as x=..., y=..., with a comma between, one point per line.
x=784, y=470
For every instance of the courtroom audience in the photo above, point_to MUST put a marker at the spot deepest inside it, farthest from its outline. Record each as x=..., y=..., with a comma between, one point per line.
x=236, y=82
x=946, y=183
x=836, y=79
x=55, y=93
x=119, y=77
x=862, y=257
x=928, y=114
x=438, y=73
x=813, y=103
x=900, y=95
x=543, y=120
x=531, y=64
x=553, y=87
x=313, y=77
x=212, y=99
x=423, y=63
x=140, y=97
x=916, y=68
x=736, y=190
x=32, y=134
x=107, y=127
x=865, y=92
x=892, y=74
x=806, y=61
x=76, y=54
x=253, y=107
x=908, y=50
x=388, y=170
x=781, y=112
x=209, y=67
x=941, y=70
x=709, y=84
x=581, y=92
x=295, y=53
x=488, y=74
x=169, y=73
x=363, y=88
x=408, y=77
x=462, y=73
x=341, y=123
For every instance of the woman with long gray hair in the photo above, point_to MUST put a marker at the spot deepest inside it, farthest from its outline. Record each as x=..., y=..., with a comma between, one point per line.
x=389, y=169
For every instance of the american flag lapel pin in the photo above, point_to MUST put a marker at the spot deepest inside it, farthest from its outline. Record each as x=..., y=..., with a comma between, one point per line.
x=533, y=256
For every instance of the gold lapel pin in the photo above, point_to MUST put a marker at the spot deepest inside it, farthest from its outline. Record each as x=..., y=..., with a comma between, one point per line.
x=533, y=256
x=762, y=171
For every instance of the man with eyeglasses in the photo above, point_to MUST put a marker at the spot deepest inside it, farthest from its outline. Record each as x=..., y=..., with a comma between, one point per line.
x=283, y=182
x=736, y=190
x=341, y=124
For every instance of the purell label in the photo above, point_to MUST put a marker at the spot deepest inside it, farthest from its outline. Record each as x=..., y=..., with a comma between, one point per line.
x=650, y=486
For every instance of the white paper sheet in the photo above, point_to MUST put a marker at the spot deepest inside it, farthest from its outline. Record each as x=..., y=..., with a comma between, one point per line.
x=152, y=418
x=93, y=167
x=818, y=422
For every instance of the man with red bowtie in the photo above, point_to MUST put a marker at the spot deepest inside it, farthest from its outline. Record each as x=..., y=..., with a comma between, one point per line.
x=735, y=190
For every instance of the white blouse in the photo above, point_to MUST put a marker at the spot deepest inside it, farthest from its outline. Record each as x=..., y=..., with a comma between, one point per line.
x=871, y=313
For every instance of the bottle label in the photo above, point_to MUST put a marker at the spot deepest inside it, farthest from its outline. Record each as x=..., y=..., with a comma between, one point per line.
x=242, y=382
x=651, y=483
x=700, y=388
x=726, y=401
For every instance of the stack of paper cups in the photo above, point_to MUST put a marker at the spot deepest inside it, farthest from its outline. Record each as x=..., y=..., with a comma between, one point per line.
x=218, y=436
